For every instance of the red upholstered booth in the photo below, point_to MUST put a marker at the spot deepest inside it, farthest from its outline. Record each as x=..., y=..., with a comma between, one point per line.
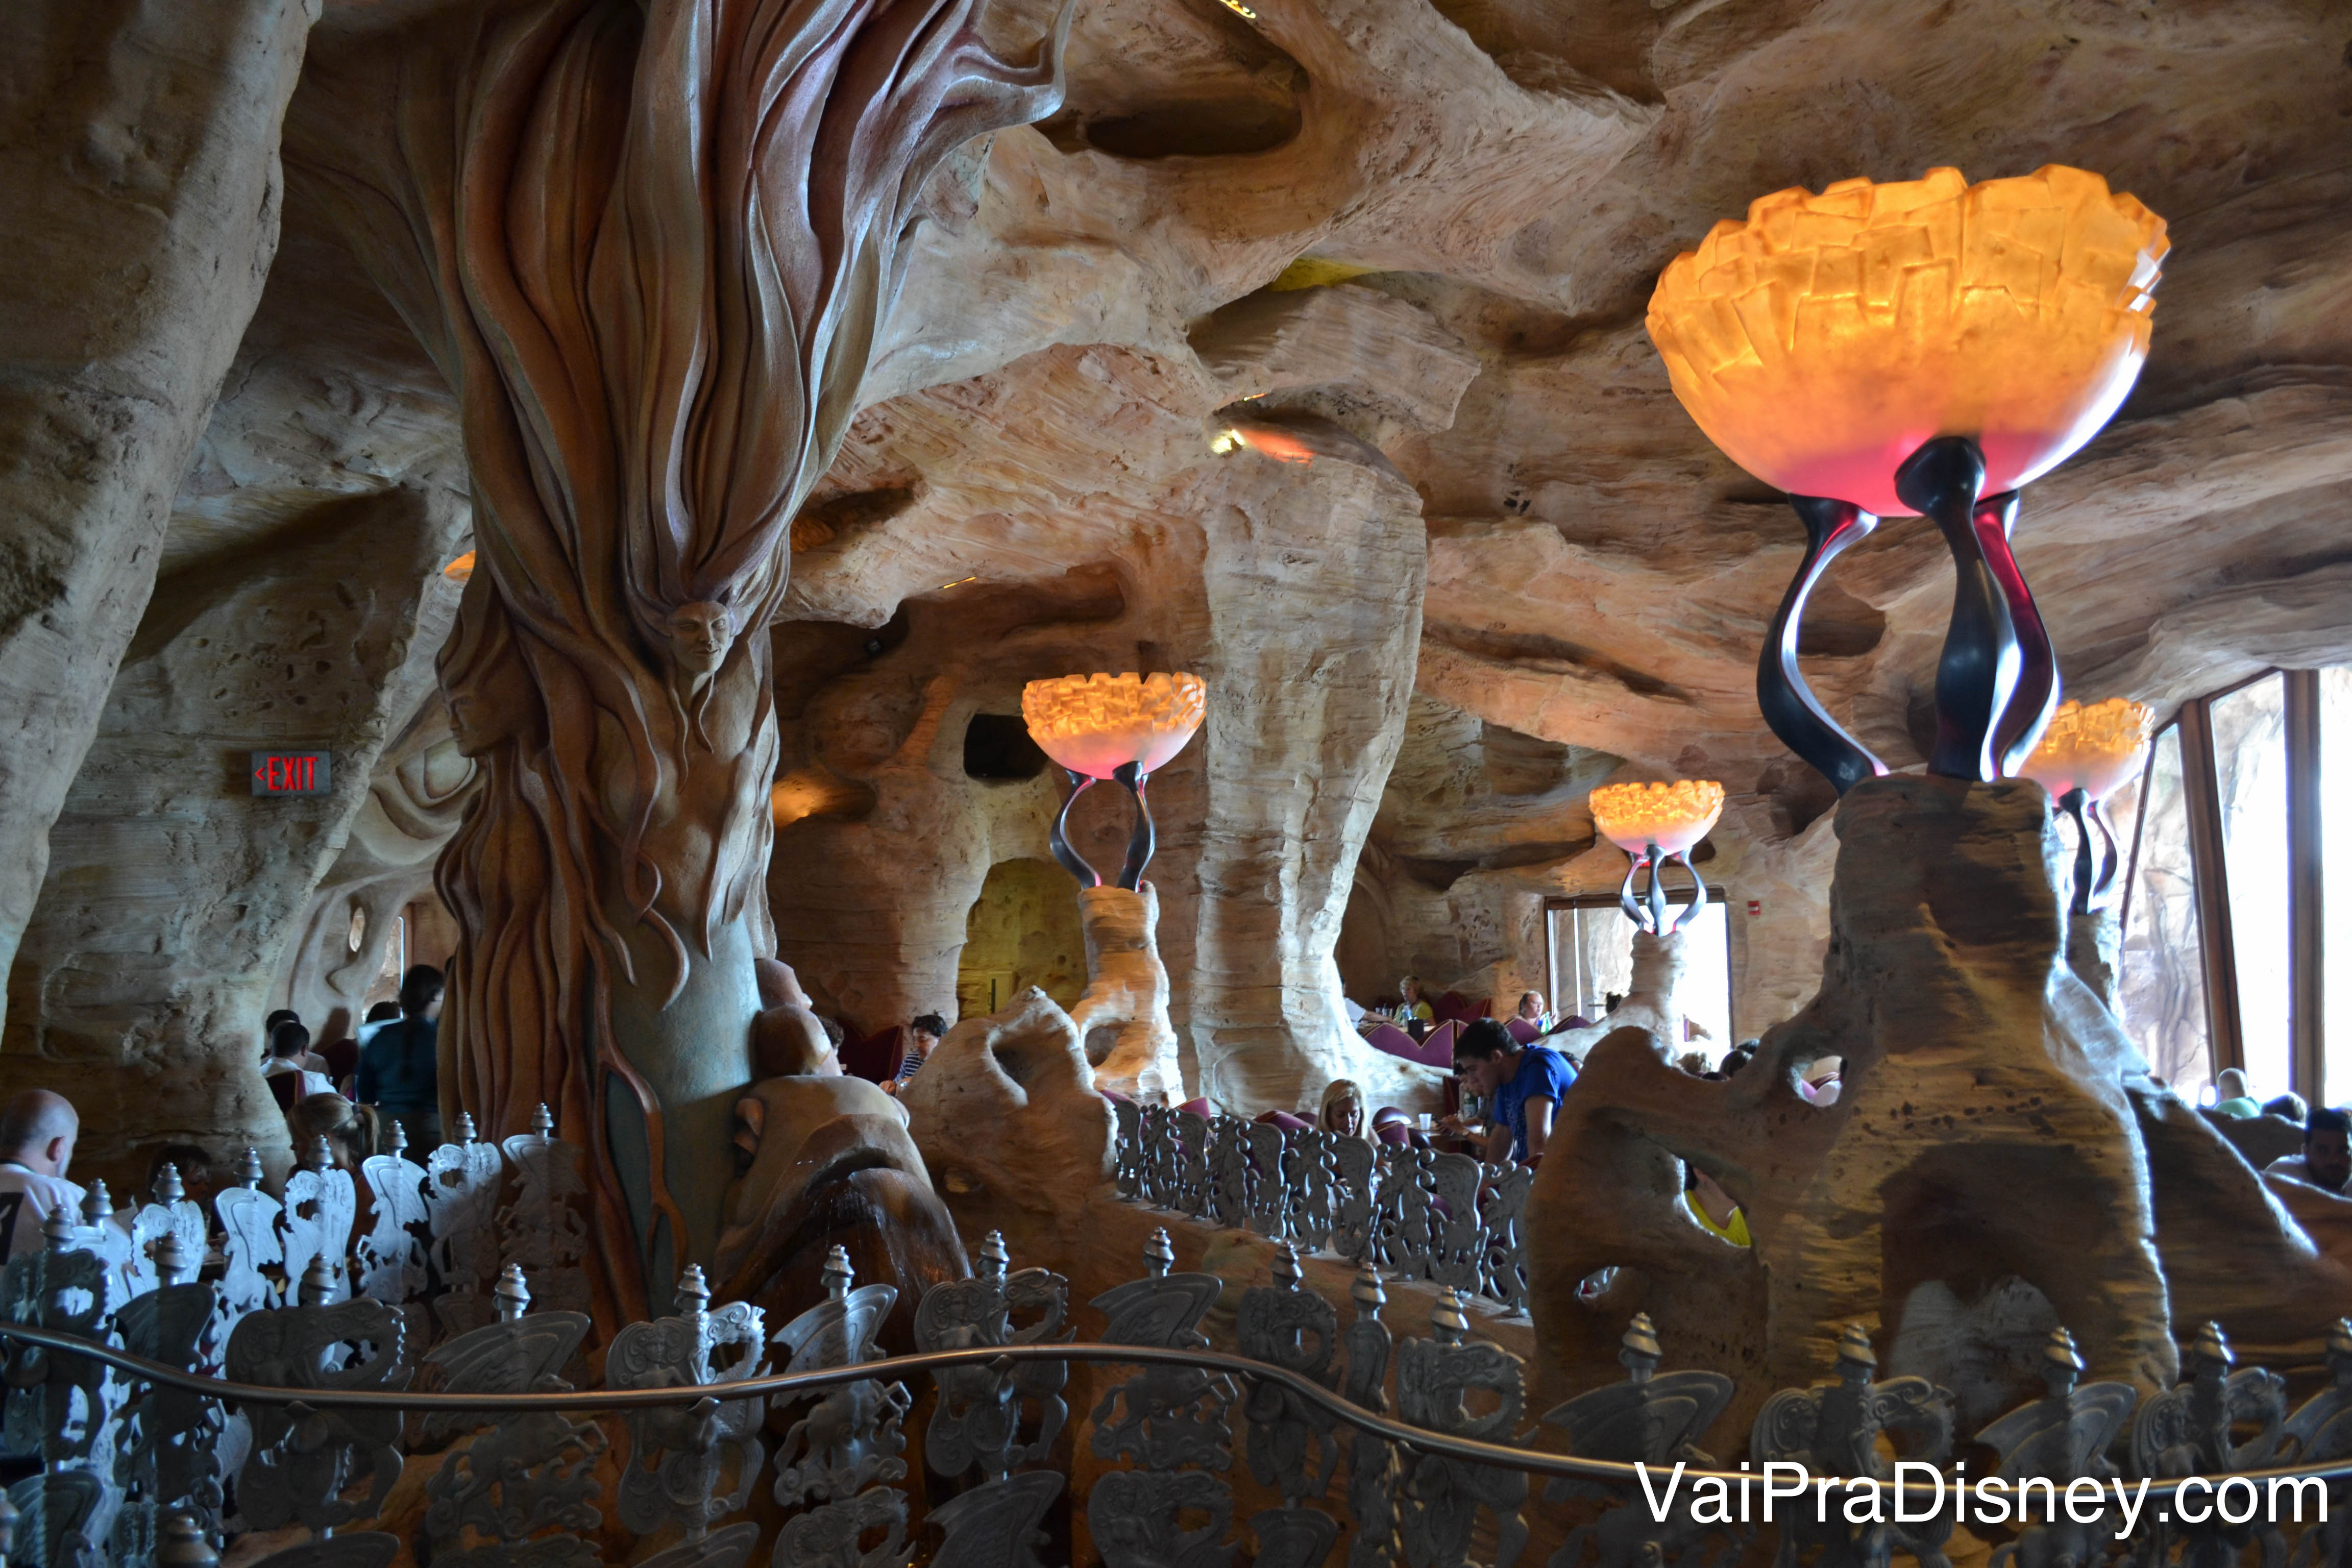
x=1523, y=1031
x=1454, y=1007
x=875, y=1057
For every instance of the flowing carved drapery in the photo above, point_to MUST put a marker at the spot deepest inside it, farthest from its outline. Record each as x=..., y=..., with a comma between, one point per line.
x=650, y=243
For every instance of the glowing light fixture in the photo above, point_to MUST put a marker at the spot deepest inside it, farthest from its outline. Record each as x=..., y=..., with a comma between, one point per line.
x=461, y=569
x=1123, y=727
x=1656, y=822
x=2086, y=756
x=1921, y=346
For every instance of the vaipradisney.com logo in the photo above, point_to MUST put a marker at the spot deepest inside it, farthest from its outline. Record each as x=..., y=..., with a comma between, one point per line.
x=1922, y=1492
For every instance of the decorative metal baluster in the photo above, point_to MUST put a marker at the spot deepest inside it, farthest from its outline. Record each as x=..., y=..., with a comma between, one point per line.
x=1439, y=1508
x=1457, y=1235
x=1374, y=1473
x=1652, y=1419
x=461, y=1201
x=58, y=1408
x=1269, y=1198
x=997, y=1525
x=63, y=1520
x=250, y=1243
x=543, y=1229
x=529, y=1472
x=678, y=1456
x=850, y=1438
x=1308, y=1157
x=1832, y=1429
x=1162, y=1418
x=1191, y=1152
x=103, y=1234
x=304, y=1459
x=320, y=1206
x=2062, y=1437
x=1127, y=1167
x=2193, y=1429
x=2319, y=1432
x=1502, y=1219
x=170, y=1459
x=978, y=1420
x=1410, y=1251
x=391, y=1257
x=1168, y=1161
x=1297, y=1331
x=1355, y=1229
x=169, y=1212
x=1229, y=1174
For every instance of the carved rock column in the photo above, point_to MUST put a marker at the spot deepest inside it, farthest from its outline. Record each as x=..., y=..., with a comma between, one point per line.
x=649, y=243
x=1313, y=631
x=1123, y=1017
x=139, y=181
x=1986, y=1128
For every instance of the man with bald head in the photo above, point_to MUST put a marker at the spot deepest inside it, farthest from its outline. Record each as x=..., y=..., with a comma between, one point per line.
x=37, y=1143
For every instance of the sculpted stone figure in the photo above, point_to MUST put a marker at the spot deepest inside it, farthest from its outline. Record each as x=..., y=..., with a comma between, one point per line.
x=656, y=331
x=1010, y=1122
x=826, y=1160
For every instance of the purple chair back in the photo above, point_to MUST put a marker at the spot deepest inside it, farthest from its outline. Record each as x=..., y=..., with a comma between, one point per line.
x=1523, y=1031
x=1286, y=1121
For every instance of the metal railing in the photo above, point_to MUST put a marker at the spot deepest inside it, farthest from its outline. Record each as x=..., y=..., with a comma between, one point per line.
x=1417, y=1213
x=166, y=1416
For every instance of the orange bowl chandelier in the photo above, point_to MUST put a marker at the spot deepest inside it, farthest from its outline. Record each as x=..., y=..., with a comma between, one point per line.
x=1656, y=822
x=2086, y=756
x=1123, y=727
x=1920, y=346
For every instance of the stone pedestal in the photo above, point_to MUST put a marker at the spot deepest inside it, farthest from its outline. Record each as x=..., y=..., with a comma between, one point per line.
x=2094, y=943
x=1123, y=1017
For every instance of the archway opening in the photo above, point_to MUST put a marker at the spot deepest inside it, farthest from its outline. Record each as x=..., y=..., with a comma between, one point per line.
x=1022, y=931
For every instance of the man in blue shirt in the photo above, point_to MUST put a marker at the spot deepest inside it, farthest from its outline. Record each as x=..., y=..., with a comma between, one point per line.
x=1524, y=1084
x=400, y=1067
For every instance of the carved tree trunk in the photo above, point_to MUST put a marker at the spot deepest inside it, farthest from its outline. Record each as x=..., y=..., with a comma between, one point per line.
x=650, y=242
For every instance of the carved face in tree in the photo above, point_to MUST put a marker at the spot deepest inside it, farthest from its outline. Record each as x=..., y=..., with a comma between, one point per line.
x=700, y=635
x=828, y=1160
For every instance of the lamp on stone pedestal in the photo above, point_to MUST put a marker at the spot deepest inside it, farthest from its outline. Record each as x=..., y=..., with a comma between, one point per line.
x=2086, y=756
x=1920, y=346
x=1123, y=727
x=1656, y=822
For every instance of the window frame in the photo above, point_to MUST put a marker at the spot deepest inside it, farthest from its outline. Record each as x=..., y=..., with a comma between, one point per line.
x=1680, y=897
x=2225, y=1043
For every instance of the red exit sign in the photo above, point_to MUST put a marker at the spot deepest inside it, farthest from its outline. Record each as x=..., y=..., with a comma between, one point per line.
x=289, y=773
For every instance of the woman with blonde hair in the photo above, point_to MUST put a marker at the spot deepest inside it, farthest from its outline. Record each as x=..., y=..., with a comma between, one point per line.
x=353, y=1132
x=1343, y=1109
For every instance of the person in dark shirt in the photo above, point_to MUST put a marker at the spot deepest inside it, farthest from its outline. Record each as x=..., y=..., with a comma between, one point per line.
x=400, y=1067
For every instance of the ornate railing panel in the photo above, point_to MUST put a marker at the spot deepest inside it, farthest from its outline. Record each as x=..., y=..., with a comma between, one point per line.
x=169, y=1412
x=1442, y=1217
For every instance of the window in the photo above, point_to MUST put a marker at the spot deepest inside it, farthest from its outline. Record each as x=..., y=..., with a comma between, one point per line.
x=2225, y=961
x=1591, y=944
x=2250, y=781
x=2160, y=991
x=2335, y=858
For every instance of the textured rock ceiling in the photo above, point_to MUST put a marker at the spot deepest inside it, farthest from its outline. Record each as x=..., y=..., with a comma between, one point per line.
x=1494, y=187
x=1513, y=177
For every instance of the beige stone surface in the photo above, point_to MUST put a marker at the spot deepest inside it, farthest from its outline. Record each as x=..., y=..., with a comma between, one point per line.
x=1123, y=1017
x=140, y=185
x=1032, y=488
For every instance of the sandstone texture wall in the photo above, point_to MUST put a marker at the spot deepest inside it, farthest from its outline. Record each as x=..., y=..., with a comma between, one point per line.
x=1301, y=351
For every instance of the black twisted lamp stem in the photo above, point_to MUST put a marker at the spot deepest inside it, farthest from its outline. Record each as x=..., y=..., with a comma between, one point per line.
x=1649, y=912
x=1140, y=842
x=1789, y=705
